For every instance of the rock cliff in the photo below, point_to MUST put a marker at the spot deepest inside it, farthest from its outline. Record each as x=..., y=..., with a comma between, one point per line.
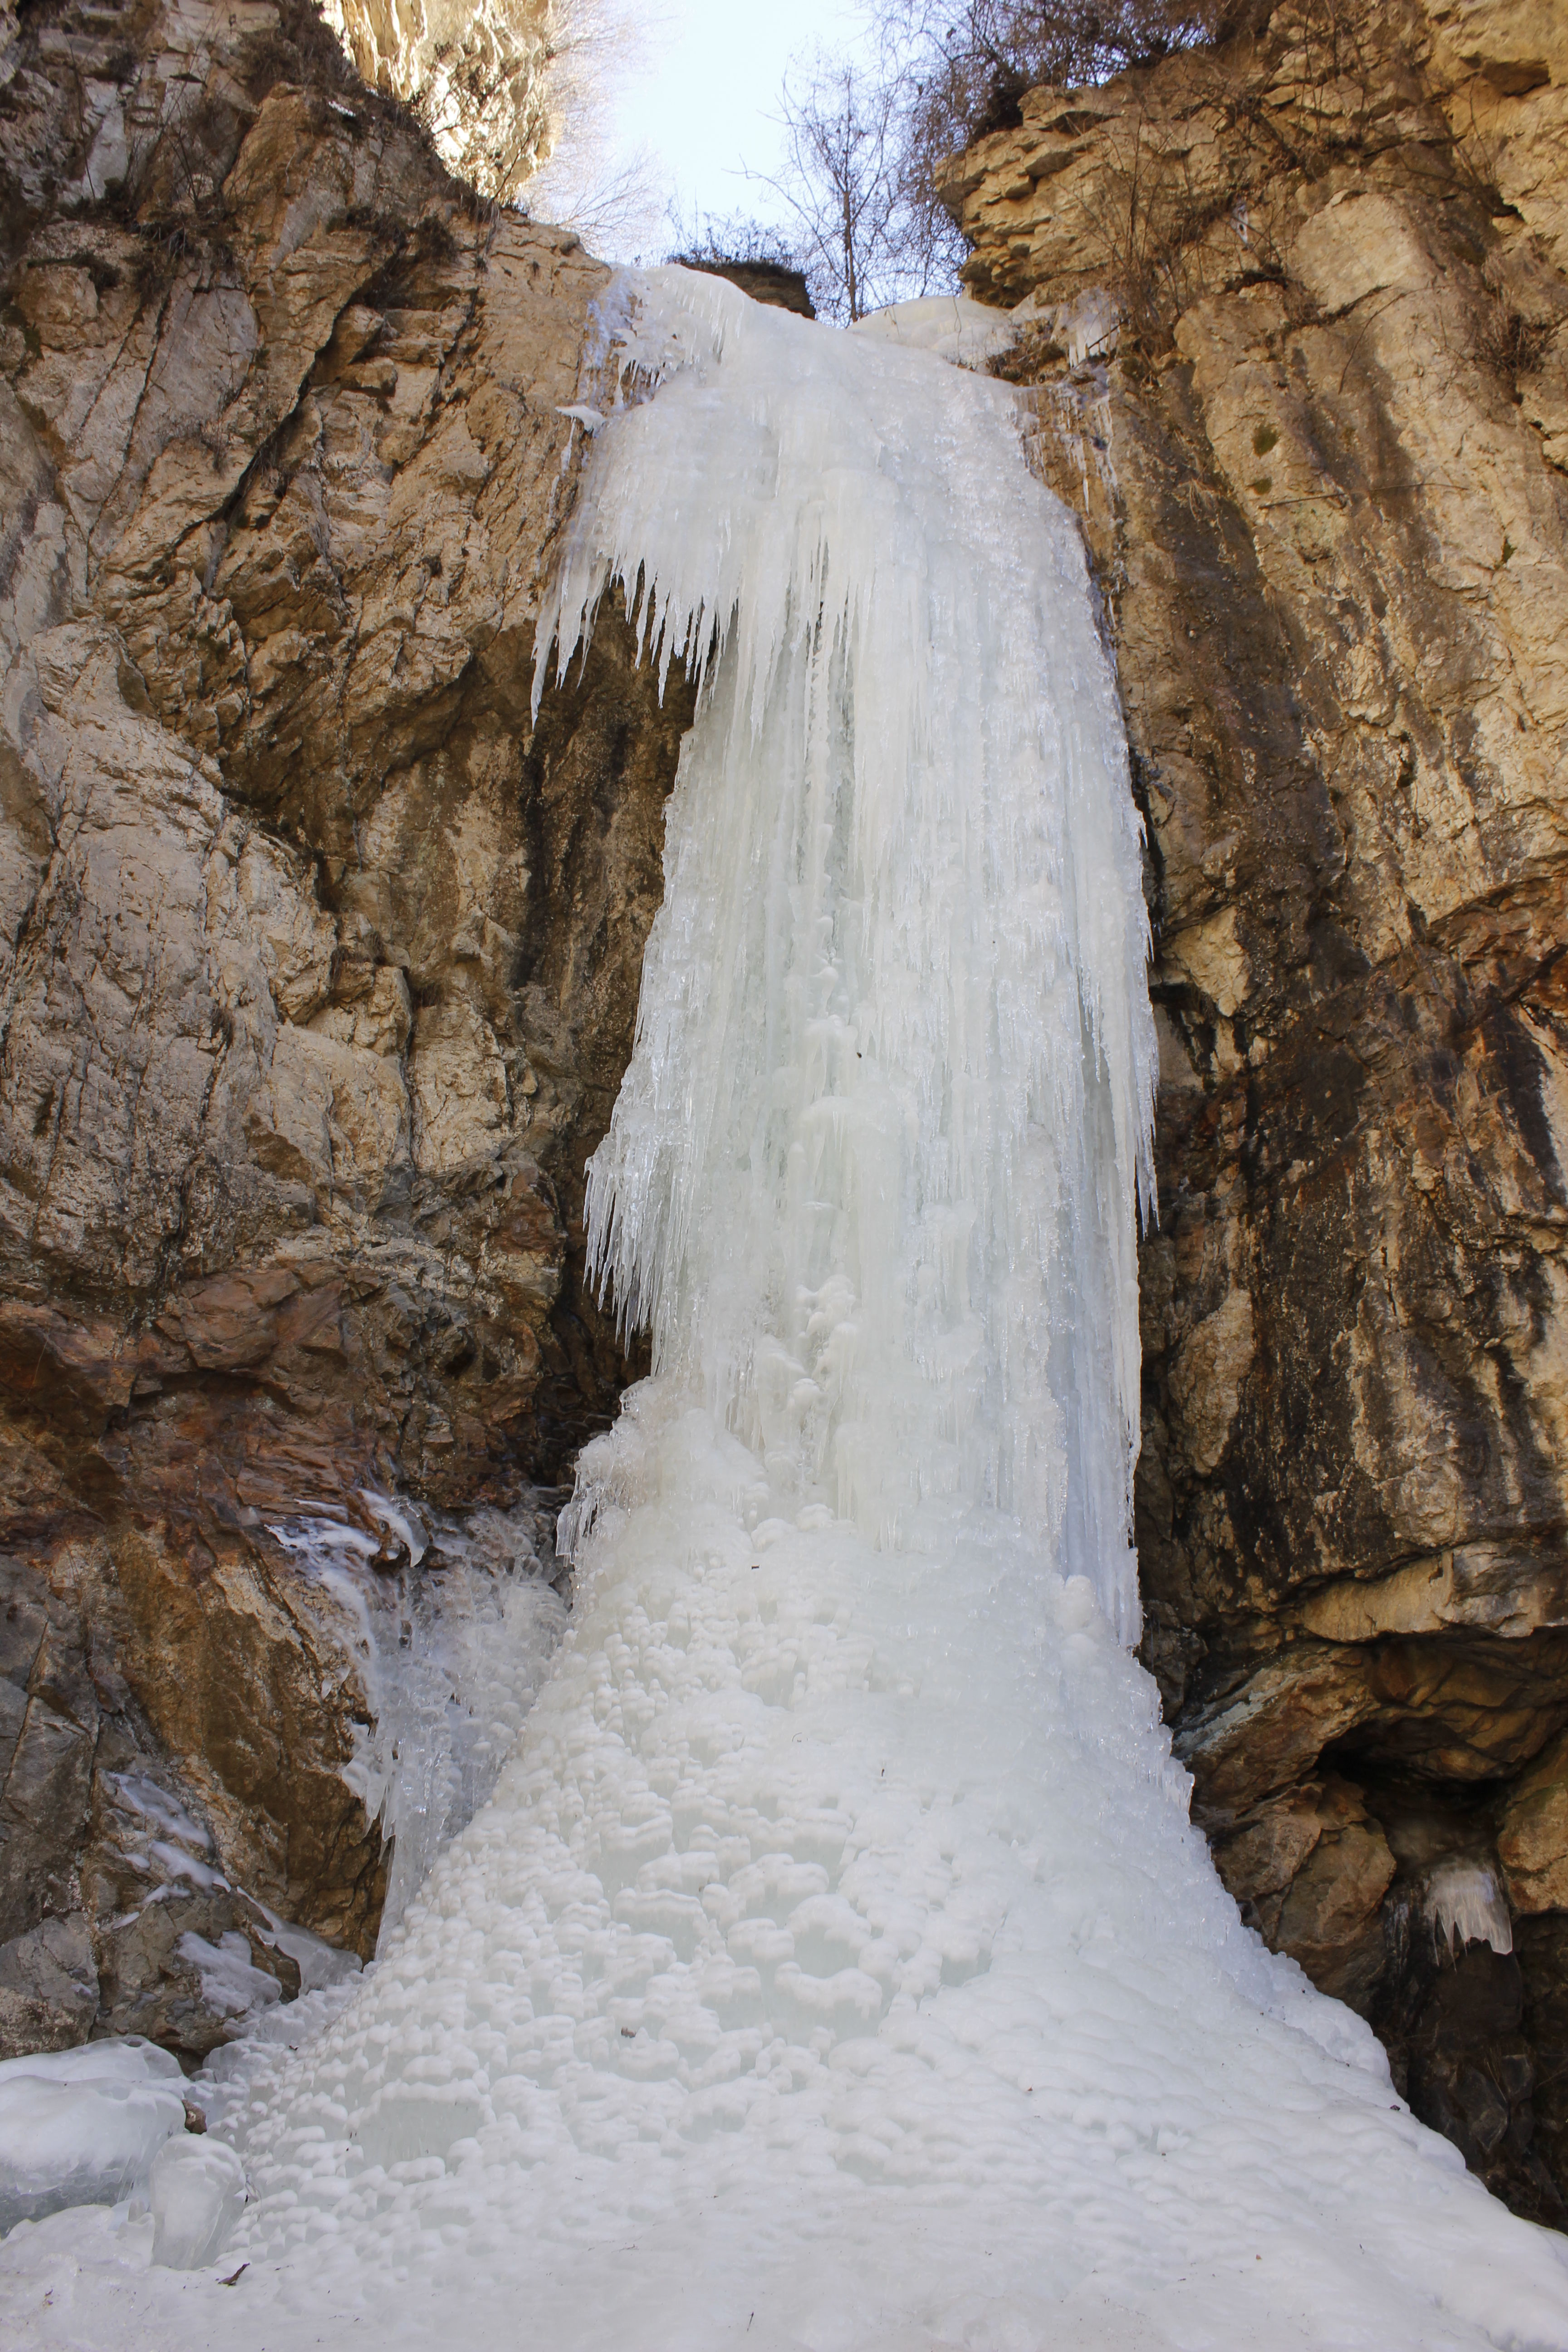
x=478, y=71
x=318, y=958
x=1296, y=310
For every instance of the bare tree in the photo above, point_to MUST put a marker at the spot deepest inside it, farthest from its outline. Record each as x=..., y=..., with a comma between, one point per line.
x=844, y=187
x=615, y=202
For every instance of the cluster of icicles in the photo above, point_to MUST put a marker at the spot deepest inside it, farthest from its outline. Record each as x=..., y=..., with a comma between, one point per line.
x=835, y=1966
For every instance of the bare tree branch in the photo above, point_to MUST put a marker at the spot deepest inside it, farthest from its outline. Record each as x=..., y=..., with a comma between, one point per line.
x=844, y=188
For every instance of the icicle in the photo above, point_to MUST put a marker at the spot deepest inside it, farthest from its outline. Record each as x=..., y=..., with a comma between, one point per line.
x=1463, y=1904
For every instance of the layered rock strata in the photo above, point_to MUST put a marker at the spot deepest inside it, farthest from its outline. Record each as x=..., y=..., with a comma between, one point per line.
x=318, y=957
x=478, y=72
x=1297, y=312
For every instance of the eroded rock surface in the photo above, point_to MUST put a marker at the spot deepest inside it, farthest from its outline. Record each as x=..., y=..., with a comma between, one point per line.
x=479, y=71
x=1298, y=312
x=318, y=957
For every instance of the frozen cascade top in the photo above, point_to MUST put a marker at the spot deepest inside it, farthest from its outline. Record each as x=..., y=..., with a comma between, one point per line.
x=874, y=1173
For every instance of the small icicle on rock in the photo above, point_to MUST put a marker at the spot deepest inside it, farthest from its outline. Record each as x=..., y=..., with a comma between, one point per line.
x=834, y=1964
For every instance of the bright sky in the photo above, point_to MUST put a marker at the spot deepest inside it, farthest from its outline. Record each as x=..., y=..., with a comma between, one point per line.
x=701, y=90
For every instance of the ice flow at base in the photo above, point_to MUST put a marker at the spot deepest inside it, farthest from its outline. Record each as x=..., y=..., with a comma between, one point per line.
x=835, y=1965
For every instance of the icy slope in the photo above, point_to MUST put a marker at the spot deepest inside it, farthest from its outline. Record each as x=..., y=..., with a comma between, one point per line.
x=834, y=1966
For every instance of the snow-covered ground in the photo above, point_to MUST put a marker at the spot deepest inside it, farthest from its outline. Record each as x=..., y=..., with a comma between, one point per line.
x=834, y=1966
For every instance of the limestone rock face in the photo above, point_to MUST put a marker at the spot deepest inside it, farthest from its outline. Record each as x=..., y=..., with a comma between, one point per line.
x=318, y=957
x=1533, y=1835
x=115, y=1907
x=478, y=70
x=1296, y=312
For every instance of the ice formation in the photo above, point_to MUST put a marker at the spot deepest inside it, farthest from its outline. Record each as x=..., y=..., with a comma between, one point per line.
x=196, y=2192
x=1463, y=1904
x=872, y=1175
x=452, y=1653
x=834, y=1966
x=83, y=2126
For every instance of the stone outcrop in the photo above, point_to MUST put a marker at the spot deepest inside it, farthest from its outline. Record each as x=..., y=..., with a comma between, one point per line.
x=318, y=956
x=1297, y=312
x=478, y=72
x=777, y=283
x=116, y=1908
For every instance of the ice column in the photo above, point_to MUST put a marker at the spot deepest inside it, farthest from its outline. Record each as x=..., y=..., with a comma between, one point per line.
x=874, y=1173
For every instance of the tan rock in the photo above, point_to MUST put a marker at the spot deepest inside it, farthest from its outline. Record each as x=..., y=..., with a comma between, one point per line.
x=1260, y=1862
x=458, y=1082
x=1532, y=1838
x=1268, y=1734
x=1314, y=1867
x=330, y=1115
x=378, y=1020
x=480, y=71
x=1317, y=464
x=318, y=959
x=1332, y=1918
x=1212, y=958
x=1206, y=1374
x=230, y=1654
x=270, y=869
x=1502, y=1588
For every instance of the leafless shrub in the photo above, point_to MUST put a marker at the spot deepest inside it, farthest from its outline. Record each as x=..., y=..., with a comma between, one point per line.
x=972, y=63
x=615, y=202
x=961, y=72
x=715, y=241
x=756, y=255
x=1506, y=341
x=1169, y=235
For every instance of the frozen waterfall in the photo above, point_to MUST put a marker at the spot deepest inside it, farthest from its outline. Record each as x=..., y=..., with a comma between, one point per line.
x=835, y=1967
x=873, y=1172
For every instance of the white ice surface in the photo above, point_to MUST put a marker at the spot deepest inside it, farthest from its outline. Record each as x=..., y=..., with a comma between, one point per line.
x=197, y=2193
x=80, y=2127
x=834, y=1966
x=950, y=326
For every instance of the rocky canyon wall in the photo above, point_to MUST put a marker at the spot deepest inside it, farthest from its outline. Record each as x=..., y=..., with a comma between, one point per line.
x=318, y=959
x=1296, y=312
x=478, y=71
